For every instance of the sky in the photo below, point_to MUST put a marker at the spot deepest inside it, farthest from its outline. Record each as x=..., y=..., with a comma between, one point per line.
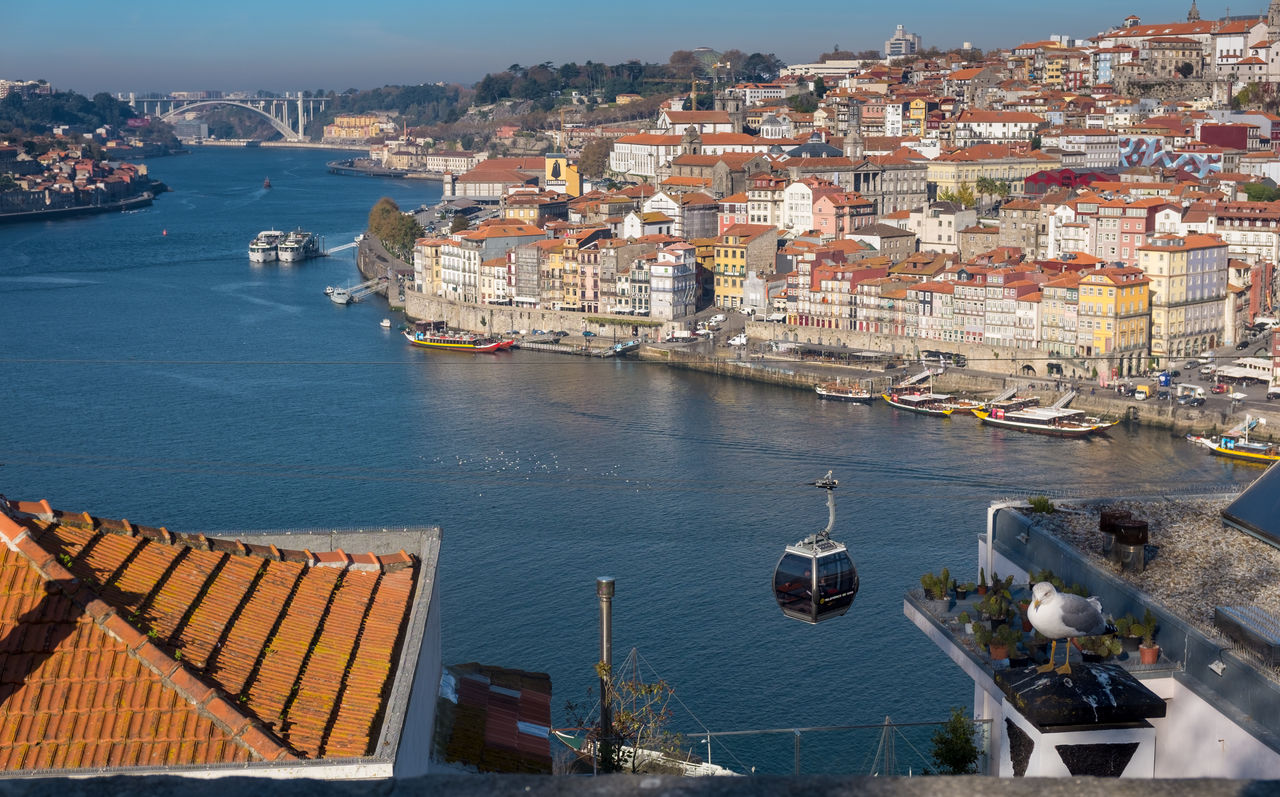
x=295, y=45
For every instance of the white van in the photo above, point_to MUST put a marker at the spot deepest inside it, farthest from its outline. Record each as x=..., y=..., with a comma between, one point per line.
x=718, y=318
x=738, y=340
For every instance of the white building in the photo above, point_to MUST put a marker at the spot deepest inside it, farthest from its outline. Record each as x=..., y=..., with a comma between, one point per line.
x=673, y=284
x=901, y=43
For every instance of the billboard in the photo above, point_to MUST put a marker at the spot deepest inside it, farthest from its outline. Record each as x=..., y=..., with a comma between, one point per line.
x=1150, y=151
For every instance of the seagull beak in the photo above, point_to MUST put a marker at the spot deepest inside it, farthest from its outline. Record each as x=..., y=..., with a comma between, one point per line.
x=1036, y=603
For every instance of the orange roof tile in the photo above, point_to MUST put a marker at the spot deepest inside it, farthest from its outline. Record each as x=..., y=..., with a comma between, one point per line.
x=133, y=646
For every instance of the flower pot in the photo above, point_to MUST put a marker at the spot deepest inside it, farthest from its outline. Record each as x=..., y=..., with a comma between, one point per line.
x=982, y=589
x=1149, y=655
x=961, y=594
x=1130, y=643
x=968, y=628
x=998, y=650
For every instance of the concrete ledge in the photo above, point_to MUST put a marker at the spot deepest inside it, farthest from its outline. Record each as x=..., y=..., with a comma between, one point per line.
x=649, y=786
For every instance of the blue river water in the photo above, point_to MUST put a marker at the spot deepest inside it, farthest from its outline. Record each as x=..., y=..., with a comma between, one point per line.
x=148, y=370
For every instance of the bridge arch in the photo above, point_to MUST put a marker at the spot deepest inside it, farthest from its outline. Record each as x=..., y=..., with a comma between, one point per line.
x=178, y=111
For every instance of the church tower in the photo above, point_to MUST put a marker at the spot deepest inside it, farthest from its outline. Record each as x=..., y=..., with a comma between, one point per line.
x=1194, y=14
x=853, y=141
x=1273, y=20
x=691, y=141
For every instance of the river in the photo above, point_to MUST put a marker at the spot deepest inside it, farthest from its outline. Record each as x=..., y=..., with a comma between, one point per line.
x=150, y=371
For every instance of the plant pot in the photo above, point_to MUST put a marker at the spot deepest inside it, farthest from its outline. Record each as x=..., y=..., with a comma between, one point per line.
x=1149, y=655
x=1016, y=662
x=961, y=594
x=968, y=628
x=1130, y=643
x=1091, y=658
x=998, y=651
x=1027, y=627
x=982, y=590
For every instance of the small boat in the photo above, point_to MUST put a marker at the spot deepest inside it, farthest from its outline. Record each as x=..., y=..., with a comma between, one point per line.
x=340, y=296
x=1052, y=421
x=1236, y=444
x=456, y=341
x=923, y=403
x=328, y=290
x=964, y=406
x=386, y=323
x=266, y=183
x=840, y=392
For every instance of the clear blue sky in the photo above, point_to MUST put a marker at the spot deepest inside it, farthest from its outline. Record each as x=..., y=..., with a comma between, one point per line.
x=147, y=45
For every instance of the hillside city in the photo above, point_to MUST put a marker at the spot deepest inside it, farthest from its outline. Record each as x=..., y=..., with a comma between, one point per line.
x=1102, y=199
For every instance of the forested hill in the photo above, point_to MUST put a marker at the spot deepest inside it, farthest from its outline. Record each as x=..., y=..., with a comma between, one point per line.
x=543, y=82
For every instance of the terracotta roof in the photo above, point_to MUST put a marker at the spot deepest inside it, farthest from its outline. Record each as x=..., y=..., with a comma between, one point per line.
x=502, y=721
x=133, y=646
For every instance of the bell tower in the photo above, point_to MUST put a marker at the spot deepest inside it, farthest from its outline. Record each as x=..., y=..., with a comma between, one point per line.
x=1194, y=14
x=1273, y=20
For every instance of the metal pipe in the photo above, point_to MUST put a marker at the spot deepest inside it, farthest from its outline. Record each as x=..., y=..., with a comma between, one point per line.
x=604, y=591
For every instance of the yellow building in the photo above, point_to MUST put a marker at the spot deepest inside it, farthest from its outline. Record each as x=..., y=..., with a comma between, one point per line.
x=353, y=127
x=1189, y=282
x=1113, y=318
x=552, y=279
x=997, y=161
x=743, y=249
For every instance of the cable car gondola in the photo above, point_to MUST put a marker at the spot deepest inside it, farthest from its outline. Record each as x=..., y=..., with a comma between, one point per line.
x=815, y=579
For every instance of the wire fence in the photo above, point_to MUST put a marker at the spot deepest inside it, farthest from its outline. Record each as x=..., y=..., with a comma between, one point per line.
x=885, y=749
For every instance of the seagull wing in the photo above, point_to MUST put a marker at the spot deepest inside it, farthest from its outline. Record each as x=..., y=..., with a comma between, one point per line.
x=1082, y=614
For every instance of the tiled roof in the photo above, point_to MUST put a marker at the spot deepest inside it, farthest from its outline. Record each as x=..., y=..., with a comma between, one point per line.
x=123, y=645
x=502, y=720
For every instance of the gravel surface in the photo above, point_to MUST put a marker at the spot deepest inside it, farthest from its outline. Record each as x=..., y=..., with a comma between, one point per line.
x=1197, y=563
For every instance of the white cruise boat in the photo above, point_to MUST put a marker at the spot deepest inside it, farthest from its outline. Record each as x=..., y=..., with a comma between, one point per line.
x=262, y=249
x=298, y=245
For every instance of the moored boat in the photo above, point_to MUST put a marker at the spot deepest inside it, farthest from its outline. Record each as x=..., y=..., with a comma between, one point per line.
x=1052, y=421
x=964, y=406
x=262, y=249
x=456, y=341
x=339, y=296
x=298, y=245
x=923, y=403
x=1236, y=444
x=841, y=392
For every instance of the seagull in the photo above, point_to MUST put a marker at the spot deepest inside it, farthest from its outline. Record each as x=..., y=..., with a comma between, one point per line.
x=1059, y=616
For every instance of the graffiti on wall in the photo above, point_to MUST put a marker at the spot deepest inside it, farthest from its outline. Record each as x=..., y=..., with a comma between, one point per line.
x=1150, y=151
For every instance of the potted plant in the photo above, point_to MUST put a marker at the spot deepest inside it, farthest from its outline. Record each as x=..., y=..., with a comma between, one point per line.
x=1023, y=607
x=963, y=590
x=1129, y=631
x=966, y=621
x=1004, y=641
x=1148, y=651
x=1100, y=647
x=935, y=590
x=982, y=581
x=982, y=636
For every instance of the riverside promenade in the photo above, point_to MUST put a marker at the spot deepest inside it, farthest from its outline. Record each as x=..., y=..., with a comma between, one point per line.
x=757, y=363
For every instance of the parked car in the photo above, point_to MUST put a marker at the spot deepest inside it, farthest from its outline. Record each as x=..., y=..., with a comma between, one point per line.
x=560, y=333
x=1163, y=395
x=1195, y=401
x=1273, y=393
x=1242, y=345
x=1218, y=388
x=588, y=334
x=719, y=318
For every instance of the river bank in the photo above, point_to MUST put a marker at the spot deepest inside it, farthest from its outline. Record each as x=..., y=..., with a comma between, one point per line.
x=794, y=372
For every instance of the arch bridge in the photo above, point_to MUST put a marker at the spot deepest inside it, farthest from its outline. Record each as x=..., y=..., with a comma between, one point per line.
x=288, y=114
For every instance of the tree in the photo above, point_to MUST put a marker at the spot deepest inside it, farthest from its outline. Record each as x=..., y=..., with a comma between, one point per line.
x=397, y=231
x=460, y=222
x=986, y=186
x=1185, y=69
x=640, y=715
x=819, y=87
x=1260, y=192
x=962, y=195
x=954, y=751
x=594, y=159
